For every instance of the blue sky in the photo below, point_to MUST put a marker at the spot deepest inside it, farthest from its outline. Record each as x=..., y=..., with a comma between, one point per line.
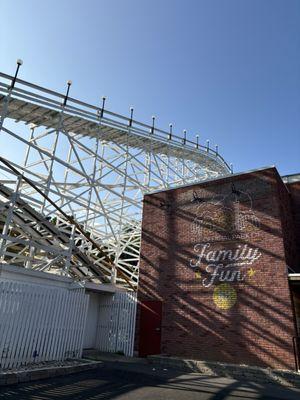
x=228, y=70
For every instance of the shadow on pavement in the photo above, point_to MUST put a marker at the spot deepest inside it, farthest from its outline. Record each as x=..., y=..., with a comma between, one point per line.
x=145, y=382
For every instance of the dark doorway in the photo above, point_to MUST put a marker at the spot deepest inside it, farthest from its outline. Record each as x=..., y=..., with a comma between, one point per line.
x=150, y=328
x=295, y=291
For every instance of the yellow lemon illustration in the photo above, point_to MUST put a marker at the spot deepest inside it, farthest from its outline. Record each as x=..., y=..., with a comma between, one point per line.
x=198, y=275
x=224, y=296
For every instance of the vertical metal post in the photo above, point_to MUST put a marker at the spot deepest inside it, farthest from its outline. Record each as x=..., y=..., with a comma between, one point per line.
x=184, y=136
x=103, y=105
x=168, y=165
x=153, y=123
x=170, y=131
x=7, y=98
x=183, y=158
x=207, y=145
x=131, y=116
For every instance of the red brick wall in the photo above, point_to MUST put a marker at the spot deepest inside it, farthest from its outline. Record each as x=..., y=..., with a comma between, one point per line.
x=245, y=315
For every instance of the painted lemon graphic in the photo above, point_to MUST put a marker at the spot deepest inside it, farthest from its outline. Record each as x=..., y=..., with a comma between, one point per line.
x=198, y=275
x=224, y=296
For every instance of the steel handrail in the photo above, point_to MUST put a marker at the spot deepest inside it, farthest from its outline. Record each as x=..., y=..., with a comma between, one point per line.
x=191, y=145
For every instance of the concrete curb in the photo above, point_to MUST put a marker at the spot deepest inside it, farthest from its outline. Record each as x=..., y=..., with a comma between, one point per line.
x=240, y=372
x=12, y=378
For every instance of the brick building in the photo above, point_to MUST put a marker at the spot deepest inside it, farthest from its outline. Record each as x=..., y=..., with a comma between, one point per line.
x=219, y=271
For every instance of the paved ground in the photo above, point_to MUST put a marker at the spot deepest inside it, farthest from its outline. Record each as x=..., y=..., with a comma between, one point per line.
x=141, y=382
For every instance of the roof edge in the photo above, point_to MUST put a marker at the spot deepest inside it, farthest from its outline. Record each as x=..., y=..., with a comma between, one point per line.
x=213, y=179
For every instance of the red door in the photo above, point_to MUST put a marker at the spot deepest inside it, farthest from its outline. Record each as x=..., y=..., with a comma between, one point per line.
x=150, y=328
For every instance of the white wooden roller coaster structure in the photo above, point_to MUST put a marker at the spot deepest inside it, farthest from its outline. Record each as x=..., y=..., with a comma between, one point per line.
x=72, y=204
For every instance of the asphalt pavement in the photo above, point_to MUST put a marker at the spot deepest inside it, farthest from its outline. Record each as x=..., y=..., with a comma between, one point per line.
x=144, y=382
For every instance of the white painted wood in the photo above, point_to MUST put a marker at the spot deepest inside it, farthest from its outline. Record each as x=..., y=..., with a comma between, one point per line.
x=48, y=319
x=40, y=322
x=116, y=323
x=81, y=325
x=92, y=321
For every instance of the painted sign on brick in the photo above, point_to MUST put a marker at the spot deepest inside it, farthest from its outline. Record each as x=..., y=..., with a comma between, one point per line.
x=223, y=224
x=225, y=265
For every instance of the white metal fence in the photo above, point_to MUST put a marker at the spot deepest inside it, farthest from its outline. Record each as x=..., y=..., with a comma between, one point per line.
x=116, y=323
x=40, y=323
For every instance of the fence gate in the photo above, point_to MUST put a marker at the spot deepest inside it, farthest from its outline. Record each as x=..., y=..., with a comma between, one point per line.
x=116, y=323
x=40, y=323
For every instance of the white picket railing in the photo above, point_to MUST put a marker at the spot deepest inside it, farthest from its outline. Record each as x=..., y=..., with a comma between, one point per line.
x=116, y=323
x=40, y=323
